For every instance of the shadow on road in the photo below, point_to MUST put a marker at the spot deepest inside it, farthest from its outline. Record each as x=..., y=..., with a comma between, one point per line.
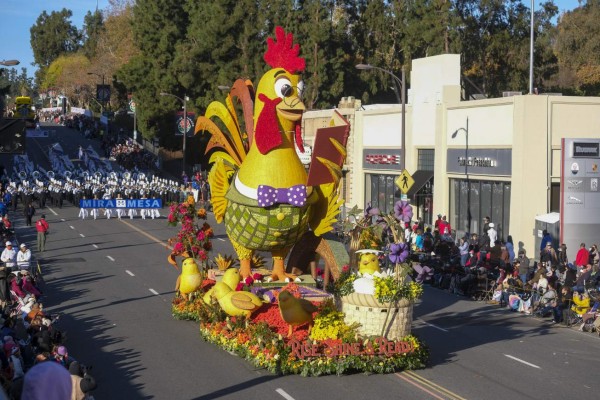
x=485, y=324
x=237, y=388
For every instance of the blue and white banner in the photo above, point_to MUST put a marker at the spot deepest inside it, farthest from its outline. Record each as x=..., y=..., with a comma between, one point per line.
x=34, y=133
x=120, y=203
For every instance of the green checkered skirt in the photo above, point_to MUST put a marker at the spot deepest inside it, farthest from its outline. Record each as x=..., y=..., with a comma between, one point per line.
x=266, y=229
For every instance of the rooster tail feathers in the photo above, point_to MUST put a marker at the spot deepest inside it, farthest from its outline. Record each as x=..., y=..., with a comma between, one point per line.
x=218, y=179
x=218, y=139
x=222, y=122
x=243, y=91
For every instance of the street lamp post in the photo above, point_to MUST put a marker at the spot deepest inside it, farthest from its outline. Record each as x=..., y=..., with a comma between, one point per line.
x=134, y=121
x=399, y=86
x=185, y=124
x=454, y=134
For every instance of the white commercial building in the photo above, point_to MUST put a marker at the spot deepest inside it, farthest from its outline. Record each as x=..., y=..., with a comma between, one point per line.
x=470, y=159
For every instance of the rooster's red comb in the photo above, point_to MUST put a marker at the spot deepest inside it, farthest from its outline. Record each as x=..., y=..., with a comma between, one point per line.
x=283, y=53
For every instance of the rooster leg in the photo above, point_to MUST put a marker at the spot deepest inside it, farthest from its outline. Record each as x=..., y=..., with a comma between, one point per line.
x=245, y=268
x=245, y=256
x=289, y=331
x=279, y=273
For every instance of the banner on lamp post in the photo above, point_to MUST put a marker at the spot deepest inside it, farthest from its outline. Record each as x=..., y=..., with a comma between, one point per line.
x=180, y=126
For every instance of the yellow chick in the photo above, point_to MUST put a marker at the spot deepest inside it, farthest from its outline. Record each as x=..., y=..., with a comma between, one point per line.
x=235, y=303
x=369, y=262
x=190, y=278
x=231, y=278
x=295, y=311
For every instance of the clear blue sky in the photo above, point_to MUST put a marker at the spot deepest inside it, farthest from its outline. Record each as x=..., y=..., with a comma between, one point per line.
x=18, y=16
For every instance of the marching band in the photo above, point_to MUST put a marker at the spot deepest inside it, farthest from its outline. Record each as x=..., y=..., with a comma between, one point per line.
x=30, y=185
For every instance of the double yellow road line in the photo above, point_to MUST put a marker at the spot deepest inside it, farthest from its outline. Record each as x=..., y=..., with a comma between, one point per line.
x=435, y=390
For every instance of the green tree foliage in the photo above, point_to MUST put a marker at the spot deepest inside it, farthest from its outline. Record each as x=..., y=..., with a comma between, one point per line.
x=494, y=42
x=158, y=27
x=93, y=26
x=69, y=73
x=13, y=84
x=52, y=36
x=190, y=47
x=578, y=48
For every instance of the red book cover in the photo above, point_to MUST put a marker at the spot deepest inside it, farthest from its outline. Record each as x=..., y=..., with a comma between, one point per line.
x=328, y=142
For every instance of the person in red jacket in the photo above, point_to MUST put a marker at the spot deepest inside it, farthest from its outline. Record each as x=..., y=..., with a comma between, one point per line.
x=41, y=226
x=445, y=228
x=582, y=258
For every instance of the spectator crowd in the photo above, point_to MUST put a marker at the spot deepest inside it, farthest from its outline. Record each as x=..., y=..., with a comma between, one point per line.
x=489, y=267
x=34, y=360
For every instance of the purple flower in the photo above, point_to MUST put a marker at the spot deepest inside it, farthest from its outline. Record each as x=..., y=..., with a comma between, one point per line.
x=403, y=211
x=371, y=211
x=398, y=252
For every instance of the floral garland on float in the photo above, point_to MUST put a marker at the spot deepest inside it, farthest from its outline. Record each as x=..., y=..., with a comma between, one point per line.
x=335, y=344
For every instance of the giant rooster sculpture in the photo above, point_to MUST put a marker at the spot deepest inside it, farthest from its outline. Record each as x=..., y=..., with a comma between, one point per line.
x=259, y=185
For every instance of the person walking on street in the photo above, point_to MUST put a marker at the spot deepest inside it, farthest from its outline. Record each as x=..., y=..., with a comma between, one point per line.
x=42, y=229
x=29, y=213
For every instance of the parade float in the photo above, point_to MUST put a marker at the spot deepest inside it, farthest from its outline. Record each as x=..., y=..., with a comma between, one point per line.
x=276, y=317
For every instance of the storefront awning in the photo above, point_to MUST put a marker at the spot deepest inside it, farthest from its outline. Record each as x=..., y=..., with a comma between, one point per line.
x=421, y=177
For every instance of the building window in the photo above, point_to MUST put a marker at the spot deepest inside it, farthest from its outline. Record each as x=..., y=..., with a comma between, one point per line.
x=426, y=159
x=482, y=199
x=555, y=197
x=381, y=191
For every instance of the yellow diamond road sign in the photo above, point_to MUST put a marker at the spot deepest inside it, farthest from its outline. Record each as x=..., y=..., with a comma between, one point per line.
x=404, y=182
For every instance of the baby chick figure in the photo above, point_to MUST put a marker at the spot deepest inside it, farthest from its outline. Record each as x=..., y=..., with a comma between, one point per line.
x=295, y=311
x=235, y=303
x=231, y=278
x=369, y=261
x=190, y=278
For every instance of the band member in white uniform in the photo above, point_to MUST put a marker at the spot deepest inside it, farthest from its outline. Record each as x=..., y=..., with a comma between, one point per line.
x=107, y=211
x=119, y=210
x=95, y=211
x=83, y=212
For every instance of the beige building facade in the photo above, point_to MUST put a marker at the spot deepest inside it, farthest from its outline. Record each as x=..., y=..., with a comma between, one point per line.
x=492, y=157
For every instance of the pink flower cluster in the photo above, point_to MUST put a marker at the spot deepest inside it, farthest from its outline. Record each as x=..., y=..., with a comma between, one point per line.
x=194, y=236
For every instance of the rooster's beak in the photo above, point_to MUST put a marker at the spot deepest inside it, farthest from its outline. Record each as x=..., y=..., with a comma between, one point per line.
x=291, y=108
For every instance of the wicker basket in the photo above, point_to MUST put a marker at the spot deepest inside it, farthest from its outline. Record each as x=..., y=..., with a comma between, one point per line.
x=371, y=315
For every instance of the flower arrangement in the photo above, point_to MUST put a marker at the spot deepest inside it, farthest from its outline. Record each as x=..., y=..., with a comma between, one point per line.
x=329, y=324
x=193, y=239
x=387, y=290
x=263, y=348
x=262, y=339
x=344, y=285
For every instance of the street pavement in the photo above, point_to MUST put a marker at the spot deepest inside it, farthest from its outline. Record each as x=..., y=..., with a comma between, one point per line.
x=112, y=285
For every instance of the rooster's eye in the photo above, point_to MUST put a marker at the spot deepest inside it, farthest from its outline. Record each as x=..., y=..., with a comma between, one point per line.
x=300, y=88
x=283, y=87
